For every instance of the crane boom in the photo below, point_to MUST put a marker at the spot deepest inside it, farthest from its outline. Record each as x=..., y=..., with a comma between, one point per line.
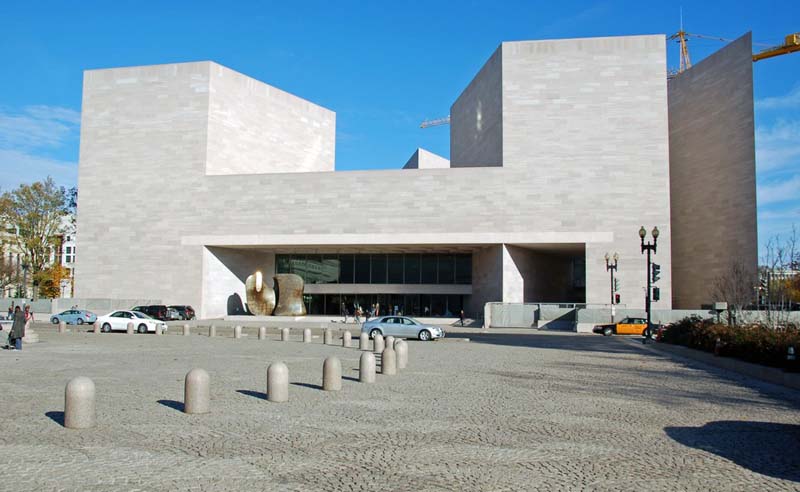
x=791, y=44
x=436, y=122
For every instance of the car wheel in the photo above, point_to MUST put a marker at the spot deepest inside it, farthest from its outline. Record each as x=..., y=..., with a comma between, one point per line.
x=80, y=321
x=424, y=335
x=143, y=328
x=375, y=332
x=608, y=331
x=106, y=328
x=54, y=321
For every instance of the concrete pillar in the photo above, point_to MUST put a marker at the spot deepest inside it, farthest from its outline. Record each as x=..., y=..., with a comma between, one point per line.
x=332, y=374
x=277, y=382
x=212, y=331
x=186, y=330
x=262, y=333
x=62, y=327
x=129, y=329
x=196, y=392
x=158, y=331
x=401, y=348
x=388, y=362
x=285, y=334
x=366, y=368
x=328, y=338
x=96, y=327
x=346, y=339
x=363, y=341
x=237, y=331
x=389, y=341
x=307, y=335
x=79, y=410
x=378, y=344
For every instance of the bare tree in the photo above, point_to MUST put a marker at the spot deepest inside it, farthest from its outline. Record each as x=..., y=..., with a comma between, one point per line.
x=778, y=264
x=737, y=288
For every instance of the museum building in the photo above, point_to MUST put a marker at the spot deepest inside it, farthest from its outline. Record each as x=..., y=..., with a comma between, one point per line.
x=193, y=176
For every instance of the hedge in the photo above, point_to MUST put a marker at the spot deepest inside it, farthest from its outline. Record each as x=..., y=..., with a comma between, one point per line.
x=752, y=343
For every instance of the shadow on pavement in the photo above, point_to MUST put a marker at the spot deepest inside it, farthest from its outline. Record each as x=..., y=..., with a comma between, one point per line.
x=767, y=448
x=254, y=394
x=571, y=341
x=309, y=385
x=57, y=417
x=175, y=405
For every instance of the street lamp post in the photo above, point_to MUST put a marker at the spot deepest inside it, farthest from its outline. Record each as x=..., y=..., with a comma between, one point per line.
x=24, y=280
x=648, y=247
x=611, y=268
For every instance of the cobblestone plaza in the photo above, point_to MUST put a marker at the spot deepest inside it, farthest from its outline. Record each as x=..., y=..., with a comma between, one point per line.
x=506, y=411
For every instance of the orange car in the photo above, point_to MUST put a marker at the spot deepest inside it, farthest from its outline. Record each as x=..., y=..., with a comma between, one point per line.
x=628, y=326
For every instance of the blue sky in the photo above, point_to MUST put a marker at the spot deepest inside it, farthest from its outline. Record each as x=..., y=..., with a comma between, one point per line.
x=383, y=67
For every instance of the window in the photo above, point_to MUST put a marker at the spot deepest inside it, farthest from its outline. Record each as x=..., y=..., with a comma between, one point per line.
x=346, y=263
x=362, y=264
x=378, y=269
x=428, y=267
x=411, y=269
x=446, y=269
x=395, y=269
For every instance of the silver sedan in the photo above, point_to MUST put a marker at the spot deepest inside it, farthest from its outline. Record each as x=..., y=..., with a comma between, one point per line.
x=401, y=327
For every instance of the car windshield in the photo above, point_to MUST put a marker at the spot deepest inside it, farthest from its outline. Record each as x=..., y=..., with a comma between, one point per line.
x=140, y=314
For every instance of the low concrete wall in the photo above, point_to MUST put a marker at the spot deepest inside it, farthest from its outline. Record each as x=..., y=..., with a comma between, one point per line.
x=45, y=307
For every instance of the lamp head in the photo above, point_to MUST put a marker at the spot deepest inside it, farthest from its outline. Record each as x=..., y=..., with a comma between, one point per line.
x=642, y=232
x=616, y=257
x=607, y=257
x=655, y=232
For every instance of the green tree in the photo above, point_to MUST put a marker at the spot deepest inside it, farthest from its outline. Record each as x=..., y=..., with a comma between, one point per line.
x=36, y=211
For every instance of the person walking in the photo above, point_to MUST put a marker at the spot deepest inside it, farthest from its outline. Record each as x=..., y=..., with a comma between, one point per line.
x=10, y=311
x=28, y=316
x=343, y=310
x=357, y=314
x=461, y=315
x=17, y=330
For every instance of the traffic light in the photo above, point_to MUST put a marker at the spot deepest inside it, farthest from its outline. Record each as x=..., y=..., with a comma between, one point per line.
x=616, y=284
x=656, y=294
x=616, y=298
x=656, y=272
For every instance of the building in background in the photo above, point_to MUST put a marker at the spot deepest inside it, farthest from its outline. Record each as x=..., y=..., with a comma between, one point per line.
x=559, y=152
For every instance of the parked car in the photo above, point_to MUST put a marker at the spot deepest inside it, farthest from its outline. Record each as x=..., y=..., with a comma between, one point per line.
x=74, y=317
x=628, y=326
x=401, y=327
x=118, y=321
x=184, y=312
x=157, y=311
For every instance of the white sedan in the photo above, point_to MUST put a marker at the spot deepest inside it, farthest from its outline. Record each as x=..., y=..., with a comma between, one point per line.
x=118, y=321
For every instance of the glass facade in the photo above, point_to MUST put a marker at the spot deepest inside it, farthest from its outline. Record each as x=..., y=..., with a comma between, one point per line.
x=424, y=305
x=378, y=268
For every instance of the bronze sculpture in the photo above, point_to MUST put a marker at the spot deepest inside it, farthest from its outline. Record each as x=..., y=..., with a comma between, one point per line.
x=260, y=297
x=290, y=295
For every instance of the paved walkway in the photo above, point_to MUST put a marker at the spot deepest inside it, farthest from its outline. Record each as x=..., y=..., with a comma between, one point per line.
x=507, y=411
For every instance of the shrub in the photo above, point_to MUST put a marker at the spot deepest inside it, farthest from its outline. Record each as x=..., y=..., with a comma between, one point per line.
x=752, y=343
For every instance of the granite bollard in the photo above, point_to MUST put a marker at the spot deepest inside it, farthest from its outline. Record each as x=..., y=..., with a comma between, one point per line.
x=328, y=338
x=347, y=338
x=389, y=341
x=378, y=344
x=332, y=374
x=277, y=382
x=186, y=330
x=285, y=334
x=96, y=327
x=237, y=331
x=401, y=348
x=196, y=392
x=363, y=341
x=388, y=362
x=262, y=333
x=212, y=331
x=307, y=335
x=79, y=412
x=62, y=327
x=366, y=368
x=129, y=328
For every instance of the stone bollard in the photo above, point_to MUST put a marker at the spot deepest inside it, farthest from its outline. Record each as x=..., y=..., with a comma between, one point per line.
x=388, y=362
x=237, y=331
x=158, y=331
x=401, y=348
x=328, y=338
x=363, y=341
x=366, y=368
x=307, y=335
x=262, y=333
x=212, y=331
x=277, y=382
x=378, y=344
x=346, y=339
x=285, y=334
x=389, y=341
x=62, y=327
x=196, y=392
x=332, y=374
x=79, y=403
x=96, y=327
x=129, y=329
x=186, y=330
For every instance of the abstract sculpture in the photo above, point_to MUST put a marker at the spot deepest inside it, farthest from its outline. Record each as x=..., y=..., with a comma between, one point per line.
x=290, y=295
x=260, y=297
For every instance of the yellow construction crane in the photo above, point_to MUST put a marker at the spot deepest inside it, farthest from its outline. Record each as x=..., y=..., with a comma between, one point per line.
x=790, y=45
x=436, y=122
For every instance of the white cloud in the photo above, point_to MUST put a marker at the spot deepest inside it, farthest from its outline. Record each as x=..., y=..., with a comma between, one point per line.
x=790, y=213
x=38, y=127
x=787, y=101
x=777, y=146
x=779, y=191
x=21, y=167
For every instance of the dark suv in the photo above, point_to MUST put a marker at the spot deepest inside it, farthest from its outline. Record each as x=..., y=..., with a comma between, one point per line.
x=157, y=311
x=184, y=312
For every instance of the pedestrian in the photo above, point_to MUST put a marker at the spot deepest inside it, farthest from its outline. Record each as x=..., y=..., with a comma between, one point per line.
x=344, y=313
x=461, y=315
x=369, y=312
x=10, y=311
x=17, y=330
x=28, y=316
x=377, y=309
x=357, y=314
